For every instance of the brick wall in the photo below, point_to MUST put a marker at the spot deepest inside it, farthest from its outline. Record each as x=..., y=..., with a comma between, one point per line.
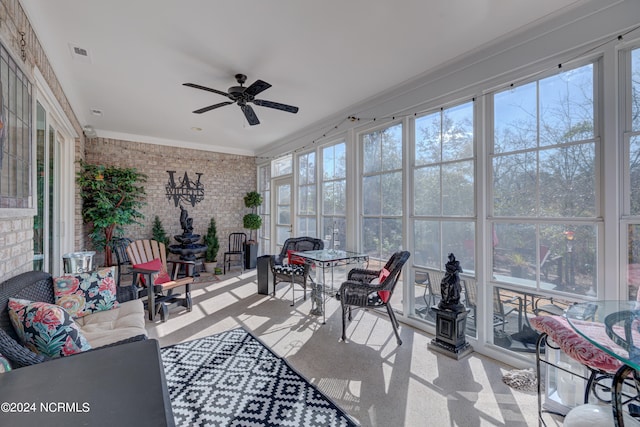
x=16, y=232
x=226, y=179
x=16, y=246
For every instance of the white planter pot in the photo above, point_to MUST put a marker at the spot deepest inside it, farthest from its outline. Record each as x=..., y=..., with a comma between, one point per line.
x=210, y=267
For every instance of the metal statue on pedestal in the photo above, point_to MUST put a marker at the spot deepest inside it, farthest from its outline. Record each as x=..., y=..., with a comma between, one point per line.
x=450, y=286
x=451, y=316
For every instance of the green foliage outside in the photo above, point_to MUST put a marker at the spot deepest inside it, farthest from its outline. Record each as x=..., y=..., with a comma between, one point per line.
x=111, y=199
x=211, y=240
x=252, y=221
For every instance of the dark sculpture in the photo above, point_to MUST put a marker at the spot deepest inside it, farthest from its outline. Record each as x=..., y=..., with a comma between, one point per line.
x=450, y=286
x=188, y=247
x=185, y=222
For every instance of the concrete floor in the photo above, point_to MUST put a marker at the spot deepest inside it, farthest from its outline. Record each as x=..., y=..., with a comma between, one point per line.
x=372, y=378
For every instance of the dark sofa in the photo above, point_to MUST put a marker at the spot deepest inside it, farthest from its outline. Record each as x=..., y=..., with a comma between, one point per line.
x=38, y=286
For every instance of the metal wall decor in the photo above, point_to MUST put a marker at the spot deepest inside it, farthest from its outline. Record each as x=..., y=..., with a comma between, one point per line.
x=185, y=190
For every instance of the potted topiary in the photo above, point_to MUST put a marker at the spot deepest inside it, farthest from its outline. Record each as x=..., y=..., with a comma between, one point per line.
x=252, y=221
x=211, y=240
x=111, y=198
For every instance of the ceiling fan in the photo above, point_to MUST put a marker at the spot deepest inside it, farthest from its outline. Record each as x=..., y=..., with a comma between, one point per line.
x=242, y=96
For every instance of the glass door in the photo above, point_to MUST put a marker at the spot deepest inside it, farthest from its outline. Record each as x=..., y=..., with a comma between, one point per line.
x=46, y=224
x=283, y=209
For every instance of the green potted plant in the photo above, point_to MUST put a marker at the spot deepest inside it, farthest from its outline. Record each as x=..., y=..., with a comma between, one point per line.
x=518, y=265
x=252, y=221
x=111, y=199
x=158, y=233
x=211, y=240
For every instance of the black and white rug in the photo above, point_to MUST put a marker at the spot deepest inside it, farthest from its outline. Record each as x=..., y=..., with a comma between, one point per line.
x=232, y=379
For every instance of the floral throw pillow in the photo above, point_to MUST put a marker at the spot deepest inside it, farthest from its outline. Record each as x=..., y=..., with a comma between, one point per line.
x=86, y=293
x=46, y=328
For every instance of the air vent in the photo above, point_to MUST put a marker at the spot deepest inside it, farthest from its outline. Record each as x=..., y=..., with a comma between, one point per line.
x=96, y=112
x=80, y=53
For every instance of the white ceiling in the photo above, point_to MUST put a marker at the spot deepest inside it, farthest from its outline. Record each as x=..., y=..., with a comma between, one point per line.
x=322, y=56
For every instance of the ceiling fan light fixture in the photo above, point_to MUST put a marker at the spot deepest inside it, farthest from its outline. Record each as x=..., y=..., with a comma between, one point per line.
x=243, y=96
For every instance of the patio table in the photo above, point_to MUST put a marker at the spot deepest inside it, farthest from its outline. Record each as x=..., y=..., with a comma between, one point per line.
x=329, y=258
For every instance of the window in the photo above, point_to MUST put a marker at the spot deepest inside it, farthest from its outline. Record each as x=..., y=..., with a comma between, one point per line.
x=307, y=195
x=443, y=177
x=632, y=195
x=444, y=188
x=282, y=166
x=15, y=136
x=544, y=193
x=382, y=189
x=334, y=195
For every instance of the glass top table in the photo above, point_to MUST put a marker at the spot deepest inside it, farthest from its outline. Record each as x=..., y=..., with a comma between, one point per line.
x=620, y=321
x=328, y=258
x=332, y=256
x=614, y=327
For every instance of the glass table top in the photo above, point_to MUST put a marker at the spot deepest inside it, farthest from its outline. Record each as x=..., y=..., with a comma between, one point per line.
x=612, y=326
x=330, y=255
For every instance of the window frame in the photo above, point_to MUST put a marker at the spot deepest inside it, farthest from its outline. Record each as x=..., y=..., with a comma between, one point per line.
x=539, y=220
x=340, y=236
x=627, y=218
x=363, y=174
x=441, y=217
x=27, y=201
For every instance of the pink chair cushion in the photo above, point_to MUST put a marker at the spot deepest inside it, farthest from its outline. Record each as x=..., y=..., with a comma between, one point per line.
x=384, y=295
x=576, y=346
x=294, y=259
x=159, y=278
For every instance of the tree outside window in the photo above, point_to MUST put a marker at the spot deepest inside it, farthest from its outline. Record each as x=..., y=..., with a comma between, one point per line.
x=382, y=192
x=543, y=183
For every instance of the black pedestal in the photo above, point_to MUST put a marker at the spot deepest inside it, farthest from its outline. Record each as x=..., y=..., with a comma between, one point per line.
x=265, y=278
x=250, y=255
x=450, y=337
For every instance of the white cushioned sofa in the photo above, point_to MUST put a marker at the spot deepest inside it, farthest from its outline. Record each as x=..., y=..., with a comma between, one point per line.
x=105, y=320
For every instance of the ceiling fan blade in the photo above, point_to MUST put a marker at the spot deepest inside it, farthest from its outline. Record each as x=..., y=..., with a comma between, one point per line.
x=250, y=115
x=219, y=92
x=257, y=87
x=276, y=105
x=212, y=107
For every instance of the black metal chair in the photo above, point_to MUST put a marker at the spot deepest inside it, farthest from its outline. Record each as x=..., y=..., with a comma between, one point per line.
x=293, y=273
x=365, y=294
x=236, y=248
x=119, y=248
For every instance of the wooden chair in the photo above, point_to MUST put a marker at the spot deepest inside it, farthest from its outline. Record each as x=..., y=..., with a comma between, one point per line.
x=236, y=248
x=502, y=306
x=149, y=260
x=366, y=294
x=433, y=284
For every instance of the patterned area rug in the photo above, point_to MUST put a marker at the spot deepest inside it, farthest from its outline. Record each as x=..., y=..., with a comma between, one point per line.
x=232, y=379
